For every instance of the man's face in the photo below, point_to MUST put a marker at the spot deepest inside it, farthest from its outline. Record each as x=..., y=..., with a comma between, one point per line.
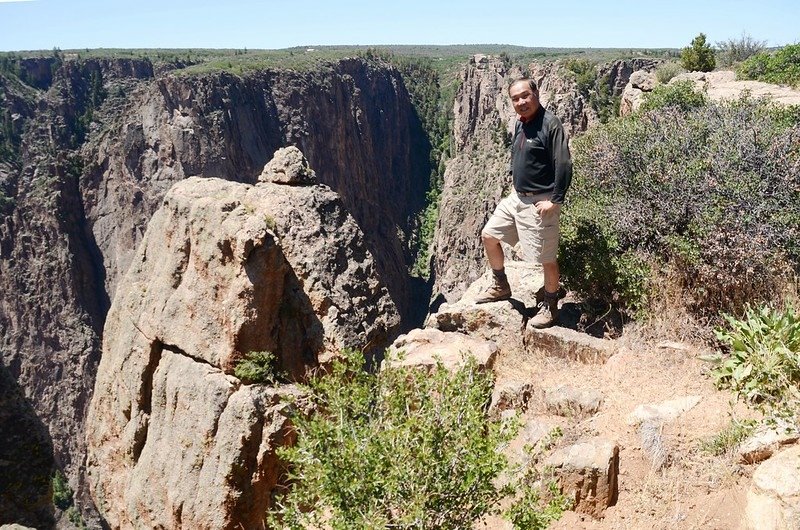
x=525, y=100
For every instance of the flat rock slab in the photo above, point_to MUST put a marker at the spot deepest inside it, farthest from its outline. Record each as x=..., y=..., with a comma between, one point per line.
x=664, y=411
x=773, y=500
x=505, y=322
x=587, y=472
x=428, y=347
x=568, y=344
x=572, y=402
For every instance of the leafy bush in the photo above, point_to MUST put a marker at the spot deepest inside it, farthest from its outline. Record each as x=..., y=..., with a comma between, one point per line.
x=527, y=513
x=709, y=195
x=666, y=71
x=699, y=57
x=397, y=449
x=763, y=366
x=257, y=367
x=584, y=74
x=680, y=94
x=734, y=51
x=781, y=67
x=62, y=493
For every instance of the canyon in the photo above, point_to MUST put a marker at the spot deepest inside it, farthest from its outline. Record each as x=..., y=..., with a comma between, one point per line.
x=89, y=231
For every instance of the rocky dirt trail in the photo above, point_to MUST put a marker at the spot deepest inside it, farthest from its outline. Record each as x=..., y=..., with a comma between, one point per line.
x=653, y=400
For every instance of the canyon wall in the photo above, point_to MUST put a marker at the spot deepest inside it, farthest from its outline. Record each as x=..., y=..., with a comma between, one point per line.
x=97, y=144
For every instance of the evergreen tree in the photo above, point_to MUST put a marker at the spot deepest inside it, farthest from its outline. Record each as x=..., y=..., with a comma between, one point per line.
x=699, y=57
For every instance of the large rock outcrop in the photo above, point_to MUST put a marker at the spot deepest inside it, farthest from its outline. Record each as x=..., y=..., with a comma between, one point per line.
x=98, y=145
x=174, y=438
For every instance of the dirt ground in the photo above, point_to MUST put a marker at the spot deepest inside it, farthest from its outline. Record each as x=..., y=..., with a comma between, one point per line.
x=695, y=490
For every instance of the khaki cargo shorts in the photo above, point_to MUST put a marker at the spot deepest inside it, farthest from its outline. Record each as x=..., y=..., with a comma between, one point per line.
x=516, y=219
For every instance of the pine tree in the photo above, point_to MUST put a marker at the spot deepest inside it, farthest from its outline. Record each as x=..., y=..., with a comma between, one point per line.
x=699, y=57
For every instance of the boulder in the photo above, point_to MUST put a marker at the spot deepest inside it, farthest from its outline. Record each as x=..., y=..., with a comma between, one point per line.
x=763, y=443
x=288, y=166
x=641, y=82
x=773, y=500
x=428, y=347
x=587, y=471
x=573, y=402
x=512, y=395
x=224, y=269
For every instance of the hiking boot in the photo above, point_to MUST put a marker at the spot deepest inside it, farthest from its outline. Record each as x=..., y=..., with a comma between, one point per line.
x=498, y=291
x=547, y=315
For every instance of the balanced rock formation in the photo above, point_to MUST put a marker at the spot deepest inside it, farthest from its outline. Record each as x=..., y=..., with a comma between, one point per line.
x=175, y=440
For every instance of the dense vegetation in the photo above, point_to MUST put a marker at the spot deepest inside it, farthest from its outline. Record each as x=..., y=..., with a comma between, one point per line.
x=781, y=67
x=689, y=197
x=403, y=448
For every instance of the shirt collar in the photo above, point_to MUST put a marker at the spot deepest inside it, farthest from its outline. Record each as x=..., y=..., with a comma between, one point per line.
x=535, y=114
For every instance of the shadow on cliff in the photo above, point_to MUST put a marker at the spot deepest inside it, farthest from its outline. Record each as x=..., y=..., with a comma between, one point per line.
x=26, y=460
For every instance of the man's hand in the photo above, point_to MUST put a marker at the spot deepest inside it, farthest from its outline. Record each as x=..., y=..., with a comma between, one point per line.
x=546, y=207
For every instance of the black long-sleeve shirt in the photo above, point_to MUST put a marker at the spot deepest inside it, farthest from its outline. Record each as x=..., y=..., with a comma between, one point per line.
x=540, y=158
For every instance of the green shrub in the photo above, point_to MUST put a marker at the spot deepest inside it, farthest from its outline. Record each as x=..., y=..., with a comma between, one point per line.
x=257, y=367
x=699, y=57
x=709, y=195
x=666, y=71
x=781, y=67
x=584, y=74
x=680, y=94
x=62, y=493
x=398, y=449
x=763, y=365
x=734, y=51
x=528, y=511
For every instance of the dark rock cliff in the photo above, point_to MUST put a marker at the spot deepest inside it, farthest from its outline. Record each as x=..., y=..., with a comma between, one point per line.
x=98, y=145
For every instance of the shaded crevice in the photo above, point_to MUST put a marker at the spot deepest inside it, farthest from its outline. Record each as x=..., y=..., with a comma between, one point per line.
x=146, y=399
x=176, y=350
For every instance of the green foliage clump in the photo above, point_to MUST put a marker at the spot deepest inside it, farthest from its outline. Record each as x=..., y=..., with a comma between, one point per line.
x=699, y=57
x=680, y=94
x=584, y=73
x=597, y=90
x=708, y=195
x=763, y=366
x=62, y=493
x=529, y=513
x=781, y=67
x=666, y=71
x=398, y=449
x=728, y=439
x=257, y=367
x=734, y=51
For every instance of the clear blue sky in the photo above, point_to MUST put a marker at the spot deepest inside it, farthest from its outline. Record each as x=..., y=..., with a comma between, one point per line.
x=67, y=24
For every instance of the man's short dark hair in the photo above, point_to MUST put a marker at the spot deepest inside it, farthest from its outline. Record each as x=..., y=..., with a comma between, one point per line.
x=531, y=83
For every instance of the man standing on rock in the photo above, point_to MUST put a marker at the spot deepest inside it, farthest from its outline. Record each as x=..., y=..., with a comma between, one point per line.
x=541, y=169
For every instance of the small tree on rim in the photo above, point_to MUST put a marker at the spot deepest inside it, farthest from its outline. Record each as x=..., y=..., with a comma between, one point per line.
x=699, y=57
